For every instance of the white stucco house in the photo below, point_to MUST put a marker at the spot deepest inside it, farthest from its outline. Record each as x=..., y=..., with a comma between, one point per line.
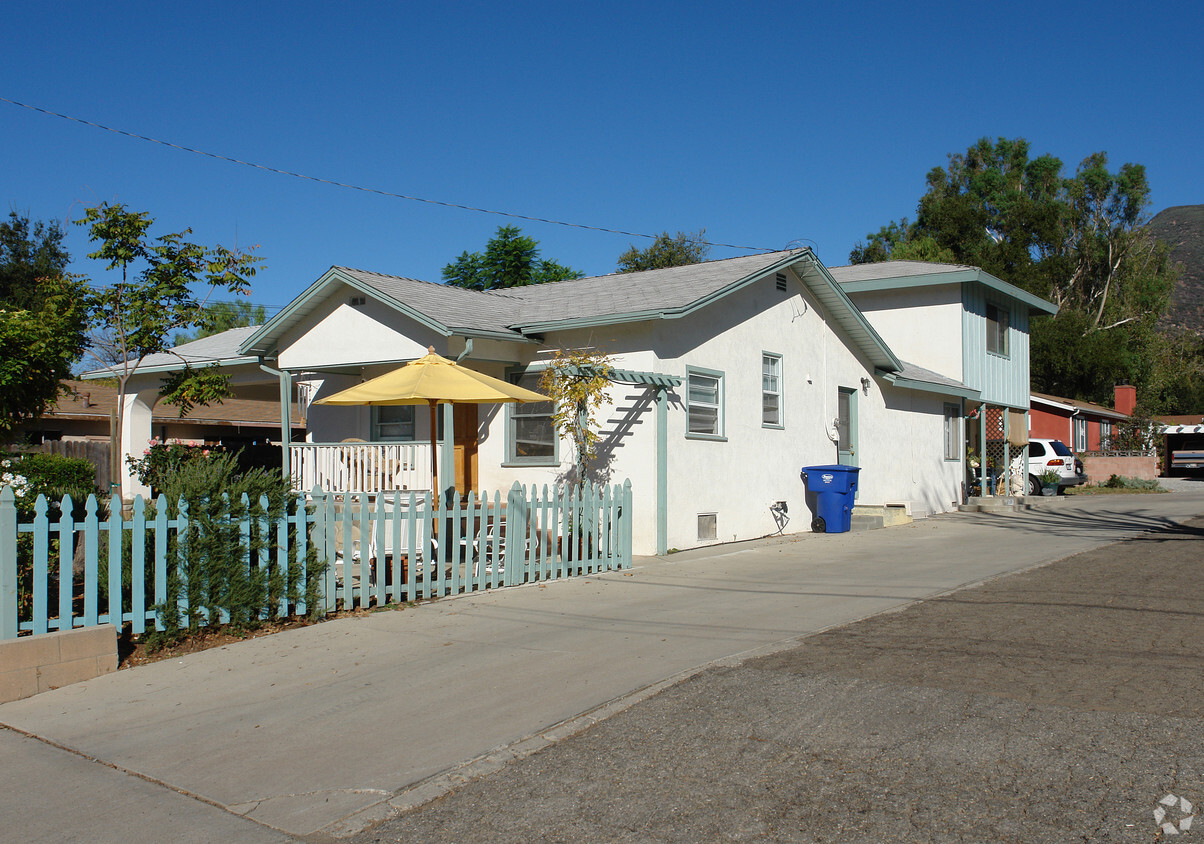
x=729, y=377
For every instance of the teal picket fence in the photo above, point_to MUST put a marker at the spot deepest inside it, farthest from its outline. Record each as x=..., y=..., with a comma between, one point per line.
x=58, y=572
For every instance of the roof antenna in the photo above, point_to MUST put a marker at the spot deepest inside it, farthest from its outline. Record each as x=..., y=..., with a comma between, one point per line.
x=799, y=242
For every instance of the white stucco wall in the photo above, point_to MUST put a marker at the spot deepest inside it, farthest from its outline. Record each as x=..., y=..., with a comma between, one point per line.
x=354, y=334
x=910, y=458
x=922, y=325
x=899, y=443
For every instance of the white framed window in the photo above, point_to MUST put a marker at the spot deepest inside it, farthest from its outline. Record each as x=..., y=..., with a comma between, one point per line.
x=1080, y=434
x=953, y=432
x=393, y=423
x=771, y=390
x=1105, y=435
x=530, y=433
x=704, y=403
x=998, y=320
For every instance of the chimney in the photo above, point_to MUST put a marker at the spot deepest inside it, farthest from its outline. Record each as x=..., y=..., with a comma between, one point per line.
x=1126, y=399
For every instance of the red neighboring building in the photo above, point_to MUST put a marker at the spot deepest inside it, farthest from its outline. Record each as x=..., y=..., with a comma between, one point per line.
x=1081, y=425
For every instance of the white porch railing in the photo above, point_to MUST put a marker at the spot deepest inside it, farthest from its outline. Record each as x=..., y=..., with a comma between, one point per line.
x=360, y=467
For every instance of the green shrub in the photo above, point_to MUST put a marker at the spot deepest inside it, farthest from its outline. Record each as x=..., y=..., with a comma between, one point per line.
x=53, y=476
x=217, y=560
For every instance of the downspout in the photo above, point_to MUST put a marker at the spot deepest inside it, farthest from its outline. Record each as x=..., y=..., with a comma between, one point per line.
x=286, y=420
x=662, y=471
x=467, y=350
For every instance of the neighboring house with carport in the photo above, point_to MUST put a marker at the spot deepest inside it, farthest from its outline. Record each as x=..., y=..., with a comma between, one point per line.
x=730, y=376
x=971, y=326
x=1091, y=431
x=254, y=421
x=1083, y=426
x=83, y=413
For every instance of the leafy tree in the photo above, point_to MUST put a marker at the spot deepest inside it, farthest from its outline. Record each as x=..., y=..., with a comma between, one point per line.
x=43, y=318
x=1076, y=240
x=577, y=381
x=222, y=316
x=668, y=250
x=510, y=259
x=142, y=310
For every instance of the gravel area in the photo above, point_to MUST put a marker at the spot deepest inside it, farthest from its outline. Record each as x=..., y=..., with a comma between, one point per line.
x=1182, y=484
x=1059, y=704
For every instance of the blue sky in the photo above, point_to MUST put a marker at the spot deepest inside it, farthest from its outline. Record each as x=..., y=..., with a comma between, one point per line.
x=767, y=124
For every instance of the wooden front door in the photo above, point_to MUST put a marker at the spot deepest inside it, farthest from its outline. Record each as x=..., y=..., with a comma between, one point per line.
x=465, y=423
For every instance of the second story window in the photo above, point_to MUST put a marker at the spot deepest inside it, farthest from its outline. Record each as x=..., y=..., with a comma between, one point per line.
x=997, y=330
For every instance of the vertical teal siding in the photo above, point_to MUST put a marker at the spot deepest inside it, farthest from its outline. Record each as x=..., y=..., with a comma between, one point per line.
x=1002, y=380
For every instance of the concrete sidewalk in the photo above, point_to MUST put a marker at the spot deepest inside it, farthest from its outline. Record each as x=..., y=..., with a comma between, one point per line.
x=321, y=731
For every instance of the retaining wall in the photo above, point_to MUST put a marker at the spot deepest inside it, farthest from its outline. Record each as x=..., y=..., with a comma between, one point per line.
x=34, y=664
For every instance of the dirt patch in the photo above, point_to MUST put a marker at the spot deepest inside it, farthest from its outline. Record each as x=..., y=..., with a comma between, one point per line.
x=132, y=651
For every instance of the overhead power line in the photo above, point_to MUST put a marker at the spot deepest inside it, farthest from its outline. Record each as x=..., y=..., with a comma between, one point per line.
x=376, y=191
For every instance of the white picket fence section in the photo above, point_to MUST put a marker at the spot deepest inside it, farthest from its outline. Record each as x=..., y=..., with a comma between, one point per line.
x=360, y=467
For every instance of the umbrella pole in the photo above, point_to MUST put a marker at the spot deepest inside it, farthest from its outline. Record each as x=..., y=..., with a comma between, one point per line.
x=434, y=453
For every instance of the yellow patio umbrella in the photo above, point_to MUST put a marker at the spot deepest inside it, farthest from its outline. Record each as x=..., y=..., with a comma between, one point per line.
x=433, y=380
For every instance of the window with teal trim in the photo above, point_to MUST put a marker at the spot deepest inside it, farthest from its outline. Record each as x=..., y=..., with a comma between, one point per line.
x=953, y=432
x=998, y=320
x=704, y=403
x=530, y=433
x=771, y=390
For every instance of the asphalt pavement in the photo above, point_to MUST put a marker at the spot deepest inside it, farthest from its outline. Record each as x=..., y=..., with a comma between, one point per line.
x=621, y=707
x=1061, y=704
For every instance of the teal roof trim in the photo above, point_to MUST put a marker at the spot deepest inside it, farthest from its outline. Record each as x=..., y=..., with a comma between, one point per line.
x=263, y=341
x=1036, y=305
x=847, y=315
x=931, y=387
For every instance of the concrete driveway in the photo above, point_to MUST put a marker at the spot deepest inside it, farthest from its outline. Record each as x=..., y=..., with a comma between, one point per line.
x=322, y=731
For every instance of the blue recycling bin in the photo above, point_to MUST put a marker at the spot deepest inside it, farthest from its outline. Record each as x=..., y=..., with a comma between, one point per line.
x=835, y=487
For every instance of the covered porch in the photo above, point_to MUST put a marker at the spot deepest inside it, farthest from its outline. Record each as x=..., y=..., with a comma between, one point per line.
x=996, y=451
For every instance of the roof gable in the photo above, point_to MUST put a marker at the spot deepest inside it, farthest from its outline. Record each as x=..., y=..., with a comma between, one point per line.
x=896, y=275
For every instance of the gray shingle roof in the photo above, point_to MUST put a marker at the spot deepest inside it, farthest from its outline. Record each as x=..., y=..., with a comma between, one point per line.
x=617, y=297
x=615, y=294
x=670, y=289
x=207, y=350
x=893, y=269
x=918, y=373
x=451, y=306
